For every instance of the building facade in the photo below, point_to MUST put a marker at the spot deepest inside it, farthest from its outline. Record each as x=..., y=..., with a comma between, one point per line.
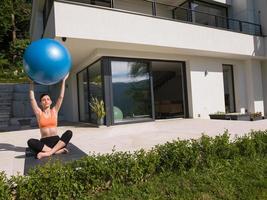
x=158, y=59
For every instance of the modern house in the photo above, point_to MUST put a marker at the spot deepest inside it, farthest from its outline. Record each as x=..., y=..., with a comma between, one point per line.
x=158, y=59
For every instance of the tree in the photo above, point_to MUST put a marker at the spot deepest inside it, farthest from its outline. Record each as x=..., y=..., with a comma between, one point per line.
x=14, y=36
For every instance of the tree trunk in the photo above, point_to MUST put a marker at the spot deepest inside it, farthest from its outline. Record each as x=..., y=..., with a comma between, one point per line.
x=14, y=35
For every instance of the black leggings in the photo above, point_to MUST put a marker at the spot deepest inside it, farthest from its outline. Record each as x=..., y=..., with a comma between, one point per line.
x=38, y=145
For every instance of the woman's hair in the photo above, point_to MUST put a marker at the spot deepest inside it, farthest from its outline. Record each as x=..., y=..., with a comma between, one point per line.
x=42, y=95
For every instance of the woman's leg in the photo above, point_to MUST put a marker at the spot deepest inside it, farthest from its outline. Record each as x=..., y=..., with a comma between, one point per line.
x=37, y=146
x=59, y=147
x=66, y=137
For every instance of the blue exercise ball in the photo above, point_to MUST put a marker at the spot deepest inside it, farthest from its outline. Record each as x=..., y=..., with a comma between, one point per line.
x=46, y=61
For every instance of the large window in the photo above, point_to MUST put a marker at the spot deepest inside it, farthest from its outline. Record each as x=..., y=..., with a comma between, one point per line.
x=207, y=14
x=95, y=86
x=89, y=85
x=83, y=96
x=131, y=91
x=169, y=89
x=105, y=3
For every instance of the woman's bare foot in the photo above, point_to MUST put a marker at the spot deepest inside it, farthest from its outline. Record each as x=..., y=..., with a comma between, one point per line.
x=63, y=150
x=47, y=153
x=41, y=155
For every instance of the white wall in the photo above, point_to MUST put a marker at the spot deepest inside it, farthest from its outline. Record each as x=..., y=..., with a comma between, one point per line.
x=240, y=86
x=264, y=84
x=107, y=25
x=254, y=86
x=207, y=90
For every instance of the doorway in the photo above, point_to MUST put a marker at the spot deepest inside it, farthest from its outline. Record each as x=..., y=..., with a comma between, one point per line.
x=169, y=88
x=229, y=93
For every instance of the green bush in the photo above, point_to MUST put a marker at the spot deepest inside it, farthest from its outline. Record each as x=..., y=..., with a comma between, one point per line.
x=95, y=174
x=51, y=181
x=5, y=191
x=11, y=62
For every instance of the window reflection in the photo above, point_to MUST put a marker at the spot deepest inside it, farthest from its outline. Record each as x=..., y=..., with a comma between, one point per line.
x=131, y=91
x=83, y=96
x=95, y=87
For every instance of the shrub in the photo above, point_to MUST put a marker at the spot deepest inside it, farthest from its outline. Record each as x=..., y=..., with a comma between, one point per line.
x=97, y=173
x=5, y=192
x=51, y=181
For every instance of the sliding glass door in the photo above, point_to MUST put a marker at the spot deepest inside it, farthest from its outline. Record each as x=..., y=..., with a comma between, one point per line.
x=229, y=93
x=131, y=91
x=89, y=85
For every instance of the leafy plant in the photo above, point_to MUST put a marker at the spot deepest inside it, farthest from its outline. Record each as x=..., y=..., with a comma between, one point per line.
x=219, y=113
x=97, y=107
x=5, y=192
x=256, y=114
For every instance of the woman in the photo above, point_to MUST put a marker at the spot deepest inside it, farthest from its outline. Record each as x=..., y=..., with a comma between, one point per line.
x=50, y=143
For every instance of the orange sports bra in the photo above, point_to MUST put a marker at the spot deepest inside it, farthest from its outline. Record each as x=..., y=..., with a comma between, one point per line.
x=50, y=122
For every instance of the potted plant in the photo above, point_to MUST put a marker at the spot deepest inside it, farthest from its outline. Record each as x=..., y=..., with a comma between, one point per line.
x=255, y=116
x=97, y=106
x=218, y=115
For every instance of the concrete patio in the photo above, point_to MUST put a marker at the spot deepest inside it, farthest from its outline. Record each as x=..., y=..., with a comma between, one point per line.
x=128, y=137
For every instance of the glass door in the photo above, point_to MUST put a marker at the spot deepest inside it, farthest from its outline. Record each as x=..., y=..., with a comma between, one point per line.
x=229, y=93
x=131, y=90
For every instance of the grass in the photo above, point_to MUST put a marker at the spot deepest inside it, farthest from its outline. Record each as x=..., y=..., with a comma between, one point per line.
x=235, y=179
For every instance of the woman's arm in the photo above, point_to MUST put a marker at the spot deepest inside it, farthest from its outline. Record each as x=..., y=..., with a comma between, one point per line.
x=61, y=95
x=34, y=104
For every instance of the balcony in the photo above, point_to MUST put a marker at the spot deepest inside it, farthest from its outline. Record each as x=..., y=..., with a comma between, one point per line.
x=168, y=9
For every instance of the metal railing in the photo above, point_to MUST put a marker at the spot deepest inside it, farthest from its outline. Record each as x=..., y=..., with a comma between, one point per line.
x=211, y=20
x=166, y=11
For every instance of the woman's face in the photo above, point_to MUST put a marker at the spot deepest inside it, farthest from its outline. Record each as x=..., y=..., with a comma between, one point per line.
x=46, y=101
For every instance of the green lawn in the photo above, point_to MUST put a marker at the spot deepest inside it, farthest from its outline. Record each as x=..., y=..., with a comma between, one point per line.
x=235, y=179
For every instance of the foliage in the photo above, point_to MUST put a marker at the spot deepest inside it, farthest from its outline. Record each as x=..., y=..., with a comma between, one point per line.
x=5, y=191
x=255, y=115
x=52, y=181
x=5, y=18
x=21, y=9
x=16, y=51
x=97, y=80
x=234, y=179
x=219, y=113
x=12, y=66
x=97, y=107
x=14, y=38
x=207, y=168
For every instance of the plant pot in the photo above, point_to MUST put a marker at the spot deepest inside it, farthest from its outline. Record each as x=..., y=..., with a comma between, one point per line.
x=256, y=118
x=217, y=116
x=239, y=117
x=100, y=121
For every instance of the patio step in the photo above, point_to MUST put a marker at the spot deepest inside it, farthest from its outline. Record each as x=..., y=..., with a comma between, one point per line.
x=4, y=122
x=6, y=88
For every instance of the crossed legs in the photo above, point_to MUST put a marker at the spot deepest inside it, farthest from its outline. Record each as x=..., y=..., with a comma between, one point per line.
x=50, y=145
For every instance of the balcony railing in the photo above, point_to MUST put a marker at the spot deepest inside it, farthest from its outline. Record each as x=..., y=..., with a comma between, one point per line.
x=207, y=19
x=166, y=11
